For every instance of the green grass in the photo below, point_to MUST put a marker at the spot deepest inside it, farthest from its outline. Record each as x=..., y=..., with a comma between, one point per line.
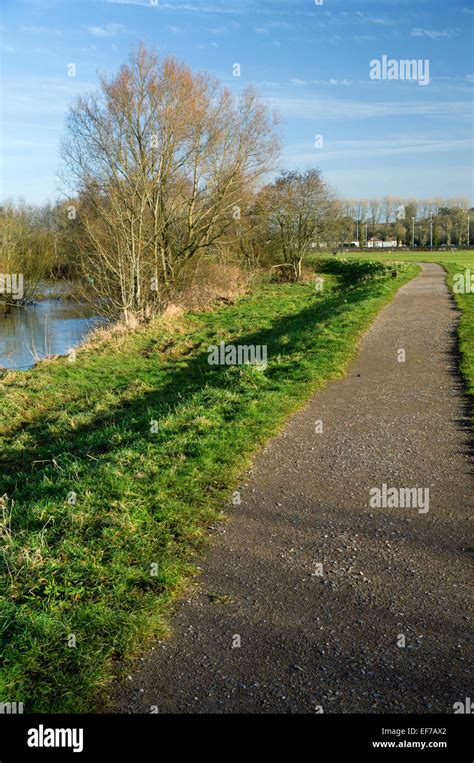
x=84, y=569
x=465, y=302
x=464, y=257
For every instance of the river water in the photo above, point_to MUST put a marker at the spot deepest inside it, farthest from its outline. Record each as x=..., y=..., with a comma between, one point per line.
x=51, y=326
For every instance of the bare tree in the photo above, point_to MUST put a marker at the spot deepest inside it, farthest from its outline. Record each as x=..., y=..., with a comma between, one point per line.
x=26, y=250
x=300, y=209
x=161, y=158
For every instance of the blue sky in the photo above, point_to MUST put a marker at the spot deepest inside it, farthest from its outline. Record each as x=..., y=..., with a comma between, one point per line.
x=311, y=62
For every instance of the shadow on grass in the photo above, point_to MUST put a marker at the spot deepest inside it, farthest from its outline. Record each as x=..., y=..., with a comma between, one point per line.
x=456, y=359
x=294, y=332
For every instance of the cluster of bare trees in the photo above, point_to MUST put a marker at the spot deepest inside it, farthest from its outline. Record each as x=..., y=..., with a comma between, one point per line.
x=167, y=168
x=163, y=163
x=300, y=212
x=28, y=248
x=286, y=219
x=442, y=221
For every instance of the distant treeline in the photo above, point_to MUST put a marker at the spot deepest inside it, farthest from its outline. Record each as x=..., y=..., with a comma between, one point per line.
x=36, y=242
x=408, y=221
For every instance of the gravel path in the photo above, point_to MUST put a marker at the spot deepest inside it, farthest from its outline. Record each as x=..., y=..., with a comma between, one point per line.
x=312, y=641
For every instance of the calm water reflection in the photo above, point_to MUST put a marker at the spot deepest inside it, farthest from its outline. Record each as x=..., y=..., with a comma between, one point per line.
x=49, y=327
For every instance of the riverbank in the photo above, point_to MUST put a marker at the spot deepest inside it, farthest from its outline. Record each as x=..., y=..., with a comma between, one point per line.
x=50, y=325
x=116, y=465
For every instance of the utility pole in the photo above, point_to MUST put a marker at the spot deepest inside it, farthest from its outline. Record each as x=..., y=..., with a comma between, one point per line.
x=431, y=232
x=413, y=233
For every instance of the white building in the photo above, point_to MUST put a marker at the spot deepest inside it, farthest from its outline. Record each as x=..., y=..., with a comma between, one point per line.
x=377, y=243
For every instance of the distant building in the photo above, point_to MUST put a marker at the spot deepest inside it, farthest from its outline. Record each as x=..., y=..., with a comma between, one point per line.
x=377, y=243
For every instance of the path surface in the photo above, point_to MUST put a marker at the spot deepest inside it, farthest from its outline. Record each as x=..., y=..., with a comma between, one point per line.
x=331, y=641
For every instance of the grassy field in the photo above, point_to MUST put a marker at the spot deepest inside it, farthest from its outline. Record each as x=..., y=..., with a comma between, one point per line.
x=105, y=513
x=463, y=257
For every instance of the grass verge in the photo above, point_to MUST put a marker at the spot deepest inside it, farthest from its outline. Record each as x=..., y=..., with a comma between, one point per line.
x=465, y=301
x=103, y=517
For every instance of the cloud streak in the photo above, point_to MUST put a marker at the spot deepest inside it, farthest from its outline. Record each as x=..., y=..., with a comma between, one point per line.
x=433, y=34
x=331, y=108
x=362, y=149
x=108, y=30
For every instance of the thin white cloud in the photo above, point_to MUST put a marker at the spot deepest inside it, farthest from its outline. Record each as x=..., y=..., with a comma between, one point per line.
x=224, y=29
x=41, y=30
x=331, y=108
x=321, y=82
x=273, y=25
x=239, y=7
x=458, y=78
x=108, y=30
x=399, y=145
x=41, y=94
x=377, y=20
x=146, y=3
x=224, y=9
x=433, y=34
x=173, y=7
x=212, y=44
